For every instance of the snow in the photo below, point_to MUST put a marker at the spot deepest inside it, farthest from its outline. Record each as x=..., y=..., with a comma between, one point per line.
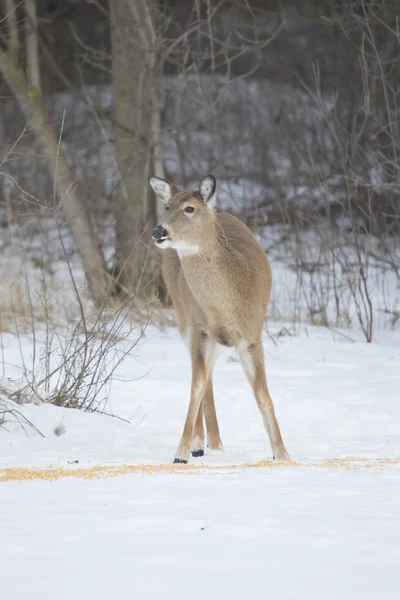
x=289, y=535
x=315, y=529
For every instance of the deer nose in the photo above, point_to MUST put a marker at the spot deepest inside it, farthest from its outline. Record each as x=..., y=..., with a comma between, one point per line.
x=159, y=233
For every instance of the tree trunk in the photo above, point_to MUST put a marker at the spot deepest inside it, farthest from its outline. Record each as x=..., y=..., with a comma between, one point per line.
x=133, y=41
x=87, y=244
x=32, y=46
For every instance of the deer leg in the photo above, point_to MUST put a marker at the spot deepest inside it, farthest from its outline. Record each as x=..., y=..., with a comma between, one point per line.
x=202, y=352
x=213, y=437
x=198, y=438
x=252, y=359
x=207, y=410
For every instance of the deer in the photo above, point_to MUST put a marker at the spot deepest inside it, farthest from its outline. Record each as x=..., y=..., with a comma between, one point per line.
x=219, y=280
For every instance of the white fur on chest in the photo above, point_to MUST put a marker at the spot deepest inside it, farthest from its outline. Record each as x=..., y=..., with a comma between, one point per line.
x=183, y=249
x=189, y=251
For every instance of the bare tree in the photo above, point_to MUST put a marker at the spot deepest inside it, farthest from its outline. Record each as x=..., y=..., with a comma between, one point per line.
x=137, y=114
x=27, y=92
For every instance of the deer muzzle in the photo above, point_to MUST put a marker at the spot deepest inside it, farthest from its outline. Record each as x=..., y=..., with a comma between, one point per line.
x=159, y=234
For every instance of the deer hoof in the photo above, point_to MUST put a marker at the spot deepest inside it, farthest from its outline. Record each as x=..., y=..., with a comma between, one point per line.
x=197, y=453
x=180, y=461
x=282, y=456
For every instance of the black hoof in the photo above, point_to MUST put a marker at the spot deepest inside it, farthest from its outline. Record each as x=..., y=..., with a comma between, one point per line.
x=180, y=461
x=273, y=457
x=197, y=453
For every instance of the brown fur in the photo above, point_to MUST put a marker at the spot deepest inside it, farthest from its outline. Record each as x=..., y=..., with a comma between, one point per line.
x=220, y=295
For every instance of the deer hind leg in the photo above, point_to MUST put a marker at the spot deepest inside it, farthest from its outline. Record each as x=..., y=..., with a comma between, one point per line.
x=252, y=359
x=198, y=437
x=202, y=354
x=207, y=410
x=213, y=437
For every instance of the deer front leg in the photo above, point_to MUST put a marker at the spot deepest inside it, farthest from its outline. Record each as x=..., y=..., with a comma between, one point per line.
x=202, y=355
x=196, y=395
x=252, y=358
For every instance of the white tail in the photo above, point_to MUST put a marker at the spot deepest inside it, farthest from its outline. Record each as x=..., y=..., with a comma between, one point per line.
x=219, y=280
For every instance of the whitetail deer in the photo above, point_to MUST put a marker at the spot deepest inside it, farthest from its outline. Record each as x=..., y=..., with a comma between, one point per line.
x=219, y=280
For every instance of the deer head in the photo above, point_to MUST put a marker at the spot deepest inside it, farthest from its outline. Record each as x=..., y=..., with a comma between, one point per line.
x=189, y=216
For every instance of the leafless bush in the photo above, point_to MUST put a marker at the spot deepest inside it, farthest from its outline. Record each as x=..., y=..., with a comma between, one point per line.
x=75, y=366
x=10, y=415
x=344, y=244
x=335, y=279
x=72, y=348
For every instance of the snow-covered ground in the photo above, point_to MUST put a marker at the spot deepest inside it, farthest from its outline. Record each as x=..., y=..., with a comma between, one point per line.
x=315, y=529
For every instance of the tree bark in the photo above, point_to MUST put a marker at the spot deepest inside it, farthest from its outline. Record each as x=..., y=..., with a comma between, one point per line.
x=133, y=41
x=32, y=46
x=78, y=222
x=12, y=22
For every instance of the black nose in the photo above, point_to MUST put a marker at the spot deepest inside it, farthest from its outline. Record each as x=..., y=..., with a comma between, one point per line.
x=158, y=233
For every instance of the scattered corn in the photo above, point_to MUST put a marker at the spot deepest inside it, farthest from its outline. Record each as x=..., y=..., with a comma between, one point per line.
x=350, y=463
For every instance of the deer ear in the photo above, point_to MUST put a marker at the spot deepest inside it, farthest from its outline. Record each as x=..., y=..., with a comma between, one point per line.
x=207, y=191
x=162, y=189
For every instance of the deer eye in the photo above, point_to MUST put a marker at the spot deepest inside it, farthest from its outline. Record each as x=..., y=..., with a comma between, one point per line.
x=189, y=209
x=167, y=208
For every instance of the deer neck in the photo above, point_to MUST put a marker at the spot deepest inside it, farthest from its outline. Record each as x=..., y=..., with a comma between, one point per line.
x=207, y=271
x=215, y=247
